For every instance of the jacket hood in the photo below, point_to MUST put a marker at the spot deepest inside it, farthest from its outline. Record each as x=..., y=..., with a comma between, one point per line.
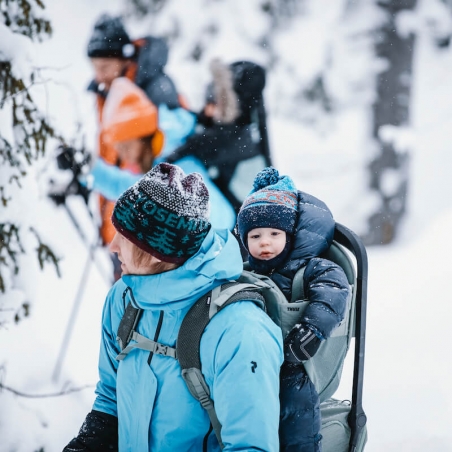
x=314, y=229
x=217, y=261
x=152, y=58
x=313, y=235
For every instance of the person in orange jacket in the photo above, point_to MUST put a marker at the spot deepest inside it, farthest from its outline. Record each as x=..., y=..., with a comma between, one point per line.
x=113, y=54
x=130, y=126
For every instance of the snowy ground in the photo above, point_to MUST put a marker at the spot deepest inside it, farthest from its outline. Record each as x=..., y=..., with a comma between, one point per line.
x=407, y=391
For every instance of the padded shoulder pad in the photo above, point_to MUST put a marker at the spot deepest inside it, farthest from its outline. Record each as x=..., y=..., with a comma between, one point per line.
x=199, y=315
x=127, y=325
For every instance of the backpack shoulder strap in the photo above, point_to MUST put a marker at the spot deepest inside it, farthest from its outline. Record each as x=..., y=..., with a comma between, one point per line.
x=126, y=333
x=298, y=290
x=189, y=339
x=127, y=325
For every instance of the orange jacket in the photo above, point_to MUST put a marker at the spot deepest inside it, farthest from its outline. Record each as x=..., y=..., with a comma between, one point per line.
x=147, y=71
x=125, y=114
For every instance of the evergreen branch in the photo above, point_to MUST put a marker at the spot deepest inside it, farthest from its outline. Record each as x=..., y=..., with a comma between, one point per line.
x=11, y=244
x=45, y=254
x=21, y=19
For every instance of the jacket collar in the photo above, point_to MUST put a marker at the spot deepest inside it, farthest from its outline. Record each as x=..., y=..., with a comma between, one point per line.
x=217, y=262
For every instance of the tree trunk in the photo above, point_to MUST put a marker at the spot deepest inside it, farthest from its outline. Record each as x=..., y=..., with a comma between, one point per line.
x=392, y=107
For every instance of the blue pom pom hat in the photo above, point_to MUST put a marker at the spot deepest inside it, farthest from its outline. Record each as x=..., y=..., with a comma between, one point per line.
x=272, y=203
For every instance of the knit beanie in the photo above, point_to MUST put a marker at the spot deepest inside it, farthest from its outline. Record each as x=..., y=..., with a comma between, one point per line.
x=272, y=203
x=109, y=39
x=129, y=114
x=166, y=213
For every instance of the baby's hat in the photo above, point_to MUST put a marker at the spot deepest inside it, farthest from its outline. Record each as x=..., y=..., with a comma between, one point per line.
x=272, y=203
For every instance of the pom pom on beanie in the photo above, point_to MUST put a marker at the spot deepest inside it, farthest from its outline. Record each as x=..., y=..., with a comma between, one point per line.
x=272, y=203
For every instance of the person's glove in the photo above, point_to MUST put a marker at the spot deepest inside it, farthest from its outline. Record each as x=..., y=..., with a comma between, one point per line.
x=300, y=344
x=76, y=160
x=69, y=177
x=99, y=433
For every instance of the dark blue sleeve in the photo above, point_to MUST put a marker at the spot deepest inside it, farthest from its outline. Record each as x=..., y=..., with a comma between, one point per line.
x=327, y=289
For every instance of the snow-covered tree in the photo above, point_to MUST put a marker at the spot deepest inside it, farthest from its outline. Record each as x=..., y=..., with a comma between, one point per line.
x=24, y=138
x=389, y=169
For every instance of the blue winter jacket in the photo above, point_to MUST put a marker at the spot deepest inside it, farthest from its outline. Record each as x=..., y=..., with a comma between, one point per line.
x=147, y=393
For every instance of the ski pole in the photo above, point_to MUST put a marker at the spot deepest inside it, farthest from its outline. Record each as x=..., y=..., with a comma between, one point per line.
x=72, y=318
x=91, y=248
x=75, y=188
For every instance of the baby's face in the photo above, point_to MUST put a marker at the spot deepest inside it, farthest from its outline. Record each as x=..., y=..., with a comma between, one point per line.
x=266, y=243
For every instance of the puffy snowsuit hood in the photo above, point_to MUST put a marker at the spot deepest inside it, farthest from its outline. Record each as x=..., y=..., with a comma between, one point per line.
x=314, y=232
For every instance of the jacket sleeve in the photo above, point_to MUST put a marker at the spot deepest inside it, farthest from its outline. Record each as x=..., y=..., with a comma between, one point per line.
x=177, y=124
x=327, y=289
x=99, y=433
x=200, y=144
x=243, y=374
x=110, y=180
x=108, y=365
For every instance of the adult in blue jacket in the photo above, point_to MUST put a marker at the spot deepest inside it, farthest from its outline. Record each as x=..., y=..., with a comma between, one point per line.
x=170, y=257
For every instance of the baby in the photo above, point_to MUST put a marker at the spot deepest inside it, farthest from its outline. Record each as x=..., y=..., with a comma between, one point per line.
x=283, y=230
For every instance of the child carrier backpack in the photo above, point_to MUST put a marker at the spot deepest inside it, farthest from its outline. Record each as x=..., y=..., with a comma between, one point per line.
x=343, y=422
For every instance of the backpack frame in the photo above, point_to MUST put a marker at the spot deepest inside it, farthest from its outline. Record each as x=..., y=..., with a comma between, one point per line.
x=344, y=426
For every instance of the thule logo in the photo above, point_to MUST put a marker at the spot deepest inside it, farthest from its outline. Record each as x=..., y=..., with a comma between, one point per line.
x=293, y=309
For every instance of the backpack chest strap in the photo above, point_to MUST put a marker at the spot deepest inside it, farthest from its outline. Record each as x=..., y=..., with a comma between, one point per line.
x=144, y=343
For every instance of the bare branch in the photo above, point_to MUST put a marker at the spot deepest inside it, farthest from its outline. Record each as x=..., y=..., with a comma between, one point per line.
x=41, y=396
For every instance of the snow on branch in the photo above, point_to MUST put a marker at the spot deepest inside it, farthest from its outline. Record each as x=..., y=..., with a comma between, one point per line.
x=26, y=134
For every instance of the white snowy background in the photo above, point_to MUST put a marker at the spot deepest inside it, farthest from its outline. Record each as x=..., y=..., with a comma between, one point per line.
x=408, y=369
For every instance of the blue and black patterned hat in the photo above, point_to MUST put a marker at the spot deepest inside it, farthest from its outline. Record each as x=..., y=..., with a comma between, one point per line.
x=272, y=203
x=166, y=213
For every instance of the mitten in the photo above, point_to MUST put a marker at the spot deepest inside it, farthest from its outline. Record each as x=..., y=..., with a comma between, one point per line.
x=300, y=344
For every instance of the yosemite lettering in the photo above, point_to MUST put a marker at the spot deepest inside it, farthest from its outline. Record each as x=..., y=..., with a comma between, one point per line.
x=171, y=219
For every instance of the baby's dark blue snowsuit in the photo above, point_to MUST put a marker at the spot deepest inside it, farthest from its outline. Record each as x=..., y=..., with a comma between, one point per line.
x=327, y=289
